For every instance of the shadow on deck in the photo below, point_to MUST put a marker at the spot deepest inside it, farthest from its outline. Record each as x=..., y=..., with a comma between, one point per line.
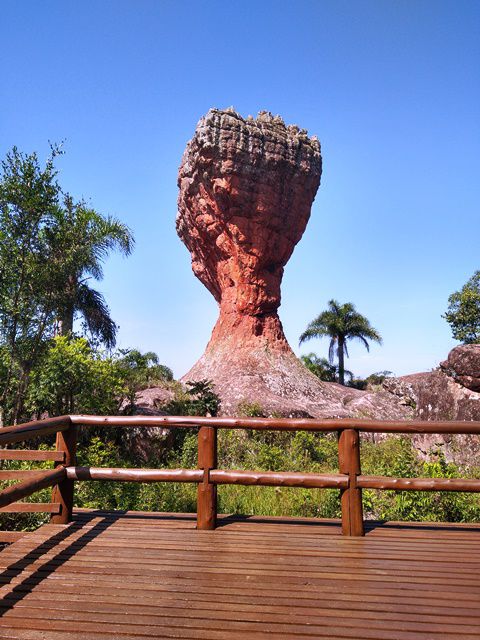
x=133, y=575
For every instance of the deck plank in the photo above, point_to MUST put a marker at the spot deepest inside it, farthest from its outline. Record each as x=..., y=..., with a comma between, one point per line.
x=149, y=575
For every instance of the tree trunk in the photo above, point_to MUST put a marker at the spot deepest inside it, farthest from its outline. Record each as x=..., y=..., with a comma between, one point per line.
x=341, y=362
x=65, y=322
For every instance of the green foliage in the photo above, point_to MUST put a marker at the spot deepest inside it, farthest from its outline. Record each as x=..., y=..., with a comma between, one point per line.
x=199, y=399
x=298, y=451
x=341, y=323
x=376, y=379
x=324, y=369
x=396, y=457
x=140, y=371
x=247, y=409
x=371, y=381
x=29, y=197
x=320, y=367
x=71, y=378
x=463, y=314
x=49, y=247
x=125, y=495
x=81, y=240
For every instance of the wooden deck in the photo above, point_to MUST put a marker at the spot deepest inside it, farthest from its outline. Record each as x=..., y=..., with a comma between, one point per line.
x=146, y=575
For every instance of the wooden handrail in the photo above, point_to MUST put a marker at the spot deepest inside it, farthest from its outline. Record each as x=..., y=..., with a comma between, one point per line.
x=39, y=480
x=283, y=424
x=34, y=429
x=350, y=480
x=280, y=479
x=134, y=475
x=471, y=485
x=214, y=476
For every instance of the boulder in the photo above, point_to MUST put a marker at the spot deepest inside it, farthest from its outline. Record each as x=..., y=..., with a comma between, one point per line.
x=463, y=364
x=144, y=443
x=436, y=395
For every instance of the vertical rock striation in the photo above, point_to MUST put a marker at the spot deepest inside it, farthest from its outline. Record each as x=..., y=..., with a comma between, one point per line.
x=246, y=191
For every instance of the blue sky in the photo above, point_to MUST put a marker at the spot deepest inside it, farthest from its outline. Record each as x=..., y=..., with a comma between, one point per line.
x=391, y=88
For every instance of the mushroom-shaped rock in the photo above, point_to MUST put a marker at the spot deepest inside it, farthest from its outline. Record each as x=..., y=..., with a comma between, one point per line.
x=246, y=191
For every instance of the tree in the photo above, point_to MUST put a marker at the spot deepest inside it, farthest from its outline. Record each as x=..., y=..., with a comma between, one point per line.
x=71, y=377
x=81, y=240
x=341, y=323
x=140, y=371
x=29, y=196
x=463, y=313
x=322, y=368
x=199, y=399
x=49, y=248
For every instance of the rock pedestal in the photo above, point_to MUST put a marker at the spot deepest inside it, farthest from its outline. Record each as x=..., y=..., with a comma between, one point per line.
x=246, y=191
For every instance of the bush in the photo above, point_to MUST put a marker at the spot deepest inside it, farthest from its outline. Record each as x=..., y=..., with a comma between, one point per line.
x=288, y=451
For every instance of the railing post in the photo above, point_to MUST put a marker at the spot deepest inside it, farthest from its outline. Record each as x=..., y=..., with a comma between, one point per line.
x=63, y=492
x=351, y=498
x=207, y=492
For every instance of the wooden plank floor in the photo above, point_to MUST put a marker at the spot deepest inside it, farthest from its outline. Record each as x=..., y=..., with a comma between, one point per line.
x=140, y=575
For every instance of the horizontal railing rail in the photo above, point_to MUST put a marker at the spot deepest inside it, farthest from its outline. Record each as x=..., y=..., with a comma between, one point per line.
x=350, y=480
x=40, y=480
x=282, y=424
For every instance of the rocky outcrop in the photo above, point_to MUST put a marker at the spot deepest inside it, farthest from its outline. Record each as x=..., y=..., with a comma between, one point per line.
x=463, y=365
x=435, y=396
x=149, y=402
x=145, y=443
x=447, y=393
x=246, y=191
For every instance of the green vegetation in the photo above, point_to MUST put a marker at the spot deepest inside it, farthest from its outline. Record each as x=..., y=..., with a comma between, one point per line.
x=70, y=377
x=328, y=372
x=341, y=323
x=198, y=399
x=301, y=451
x=140, y=371
x=50, y=246
x=324, y=369
x=463, y=314
x=81, y=240
x=50, y=249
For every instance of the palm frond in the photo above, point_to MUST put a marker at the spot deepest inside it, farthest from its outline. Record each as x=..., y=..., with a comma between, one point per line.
x=314, y=330
x=92, y=306
x=331, y=350
x=341, y=322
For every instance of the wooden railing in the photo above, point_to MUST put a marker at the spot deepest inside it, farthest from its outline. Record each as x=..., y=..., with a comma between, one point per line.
x=349, y=480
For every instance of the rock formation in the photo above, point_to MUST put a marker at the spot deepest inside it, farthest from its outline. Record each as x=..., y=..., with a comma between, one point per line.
x=246, y=191
x=463, y=365
x=451, y=392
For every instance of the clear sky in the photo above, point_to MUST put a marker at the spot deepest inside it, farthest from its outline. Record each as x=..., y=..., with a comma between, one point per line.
x=391, y=88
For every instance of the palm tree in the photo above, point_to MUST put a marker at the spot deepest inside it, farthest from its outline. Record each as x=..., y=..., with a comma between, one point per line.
x=322, y=368
x=340, y=323
x=82, y=239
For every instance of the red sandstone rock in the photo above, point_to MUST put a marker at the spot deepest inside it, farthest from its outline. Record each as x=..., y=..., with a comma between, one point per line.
x=246, y=191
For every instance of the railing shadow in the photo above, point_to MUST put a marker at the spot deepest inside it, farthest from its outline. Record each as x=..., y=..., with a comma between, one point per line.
x=405, y=526
x=26, y=586
x=228, y=519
